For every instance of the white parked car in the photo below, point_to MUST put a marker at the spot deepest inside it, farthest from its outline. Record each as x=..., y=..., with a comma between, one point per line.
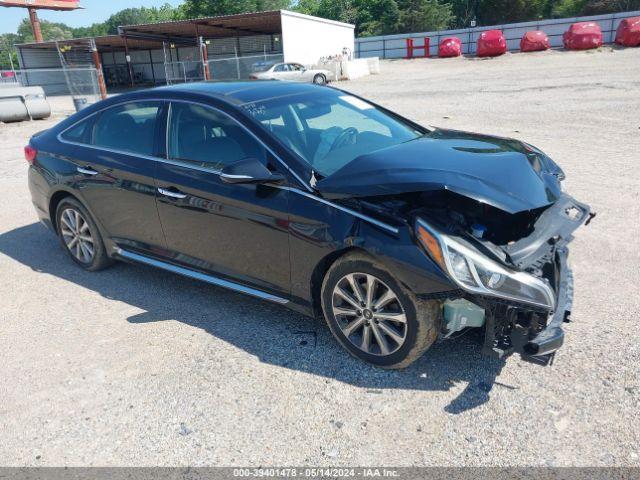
x=294, y=72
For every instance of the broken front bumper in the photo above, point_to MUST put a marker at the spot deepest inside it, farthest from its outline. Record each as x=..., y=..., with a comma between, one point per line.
x=551, y=338
x=535, y=334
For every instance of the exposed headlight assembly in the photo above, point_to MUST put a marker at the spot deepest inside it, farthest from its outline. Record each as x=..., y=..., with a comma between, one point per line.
x=478, y=274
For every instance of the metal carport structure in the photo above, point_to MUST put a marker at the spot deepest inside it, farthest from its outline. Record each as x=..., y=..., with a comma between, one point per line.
x=217, y=48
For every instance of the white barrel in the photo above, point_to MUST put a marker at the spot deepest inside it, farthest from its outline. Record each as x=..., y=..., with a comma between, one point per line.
x=23, y=103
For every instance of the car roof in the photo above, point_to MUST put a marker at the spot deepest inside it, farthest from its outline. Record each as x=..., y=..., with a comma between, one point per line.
x=242, y=92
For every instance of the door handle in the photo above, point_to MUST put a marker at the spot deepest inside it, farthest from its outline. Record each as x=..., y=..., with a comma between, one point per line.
x=87, y=170
x=171, y=193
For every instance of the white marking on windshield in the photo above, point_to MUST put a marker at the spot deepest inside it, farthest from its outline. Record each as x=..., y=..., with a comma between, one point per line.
x=356, y=102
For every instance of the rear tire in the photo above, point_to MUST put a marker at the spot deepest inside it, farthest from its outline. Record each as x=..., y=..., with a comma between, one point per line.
x=80, y=236
x=320, y=79
x=392, y=328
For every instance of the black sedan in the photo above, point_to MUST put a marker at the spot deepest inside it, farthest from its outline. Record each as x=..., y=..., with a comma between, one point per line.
x=314, y=198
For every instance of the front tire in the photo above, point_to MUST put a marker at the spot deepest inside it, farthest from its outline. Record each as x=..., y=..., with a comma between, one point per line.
x=373, y=316
x=80, y=236
x=320, y=79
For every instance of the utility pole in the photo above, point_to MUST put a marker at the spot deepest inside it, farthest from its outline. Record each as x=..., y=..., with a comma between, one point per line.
x=35, y=25
x=33, y=5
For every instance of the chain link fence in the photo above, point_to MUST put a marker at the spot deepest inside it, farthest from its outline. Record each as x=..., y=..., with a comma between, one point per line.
x=184, y=72
x=232, y=68
x=77, y=82
x=241, y=68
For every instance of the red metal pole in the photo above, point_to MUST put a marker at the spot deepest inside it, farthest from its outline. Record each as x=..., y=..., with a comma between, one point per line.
x=427, y=47
x=128, y=59
x=203, y=54
x=35, y=25
x=409, y=47
x=205, y=59
x=98, y=65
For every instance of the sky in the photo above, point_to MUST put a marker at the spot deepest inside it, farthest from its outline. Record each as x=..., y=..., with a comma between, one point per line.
x=94, y=11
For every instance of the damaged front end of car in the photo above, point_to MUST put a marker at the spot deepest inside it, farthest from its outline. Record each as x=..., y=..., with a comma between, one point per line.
x=521, y=290
x=492, y=215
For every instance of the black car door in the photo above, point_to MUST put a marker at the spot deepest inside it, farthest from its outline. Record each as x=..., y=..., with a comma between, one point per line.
x=113, y=153
x=237, y=231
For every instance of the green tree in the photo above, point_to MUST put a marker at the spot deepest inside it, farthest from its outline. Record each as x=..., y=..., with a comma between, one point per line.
x=463, y=11
x=50, y=31
x=134, y=16
x=510, y=11
x=211, y=8
x=492, y=12
x=128, y=16
x=7, y=50
x=423, y=16
x=571, y=8
x=377, y=17
x=371, y=17
x=340, y=10
x=93, y=30
x=309, y=7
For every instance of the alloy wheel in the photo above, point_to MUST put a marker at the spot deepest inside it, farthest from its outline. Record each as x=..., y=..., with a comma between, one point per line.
x=369, y=314
x=77, y=235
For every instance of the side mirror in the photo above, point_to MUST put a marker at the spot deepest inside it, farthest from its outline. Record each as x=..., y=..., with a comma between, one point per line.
x=249, y=170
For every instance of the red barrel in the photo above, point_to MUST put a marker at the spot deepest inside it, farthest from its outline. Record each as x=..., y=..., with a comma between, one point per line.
x=628, y=33
x=583, y=36
x=491, y=44
x=450, y=47
x=534, y=41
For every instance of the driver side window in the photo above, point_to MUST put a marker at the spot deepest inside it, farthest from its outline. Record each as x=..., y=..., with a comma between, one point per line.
x=208, y=138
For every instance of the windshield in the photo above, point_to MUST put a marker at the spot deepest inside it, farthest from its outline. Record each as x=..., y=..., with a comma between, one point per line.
x=331, y=129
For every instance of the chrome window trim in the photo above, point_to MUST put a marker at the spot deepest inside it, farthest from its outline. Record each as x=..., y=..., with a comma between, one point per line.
x=107, y=149
x=178, y=163
x=146, y=157
x=166, y=131
x=200, y=276
x=169, y=101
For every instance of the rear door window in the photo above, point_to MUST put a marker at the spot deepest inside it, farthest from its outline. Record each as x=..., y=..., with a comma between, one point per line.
x=128, y=128
x=80, y=132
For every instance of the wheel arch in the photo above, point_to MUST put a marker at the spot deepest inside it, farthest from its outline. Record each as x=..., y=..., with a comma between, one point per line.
x=321, y=269
x=62, y=193
x=54, y=201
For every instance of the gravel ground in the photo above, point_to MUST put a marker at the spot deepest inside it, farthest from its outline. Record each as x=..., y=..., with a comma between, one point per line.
x=134, y=366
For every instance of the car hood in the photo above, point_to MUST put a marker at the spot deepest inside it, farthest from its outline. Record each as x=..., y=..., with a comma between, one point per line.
x=501, y=172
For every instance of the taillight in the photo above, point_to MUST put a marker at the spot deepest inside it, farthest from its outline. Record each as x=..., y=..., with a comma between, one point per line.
x=30, y=154
x=252, y=77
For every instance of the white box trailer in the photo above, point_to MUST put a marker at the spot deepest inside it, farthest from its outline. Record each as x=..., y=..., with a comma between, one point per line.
x=307, y=39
